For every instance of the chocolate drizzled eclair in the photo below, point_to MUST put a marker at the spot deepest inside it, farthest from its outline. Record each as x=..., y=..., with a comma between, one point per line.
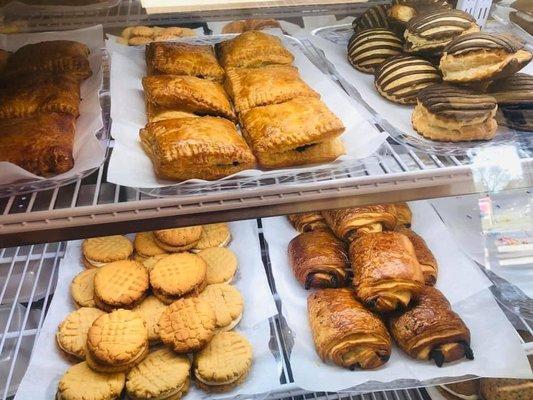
x=373, y=17
x=482, y=56
x=370, y=47
x=400, y=78
x=449, y=113
x=432, y=31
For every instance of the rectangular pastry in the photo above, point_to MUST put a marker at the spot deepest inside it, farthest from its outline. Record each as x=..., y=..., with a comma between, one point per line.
x=157, y=113
x=253, y=49
x=171, y=58
x=40, y=93
x=188, y=93
x=195, y=148
x=55, y=56
x=272, y=84
x=41, y=144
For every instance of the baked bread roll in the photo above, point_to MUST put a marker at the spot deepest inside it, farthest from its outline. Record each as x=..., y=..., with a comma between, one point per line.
x=403, y=214
x=306, y=222
x=506, y=389
x=454, y=114
x=346, y=223
x=346, y=333
x=373, y=17
x=370, y=47
x=400, y=79
x=318, y=260
x=482, y=56
x=430, y=329
x=425, y=257
x=387, y=275
x=430, y=32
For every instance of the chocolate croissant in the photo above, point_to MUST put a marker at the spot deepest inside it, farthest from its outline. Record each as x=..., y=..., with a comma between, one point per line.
x=387, y=275
x=425, y=257
x=319, y=260
x=430, y=329
x=345, y=332
x=403, y=214
x=346, y=223
x=305, y=222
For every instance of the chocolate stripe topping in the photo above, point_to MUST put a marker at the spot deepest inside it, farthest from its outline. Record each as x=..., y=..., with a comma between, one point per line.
x=374, y=17
x=482, y=41
x=515, y=89
x=456, y=103
x=440, y=24
x=402, y=77
x=371, y=47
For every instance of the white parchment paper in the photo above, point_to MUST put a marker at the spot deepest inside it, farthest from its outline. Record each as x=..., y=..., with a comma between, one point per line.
x=128, y=113
x=496, y=345
x=48, y=364
x=87, y=151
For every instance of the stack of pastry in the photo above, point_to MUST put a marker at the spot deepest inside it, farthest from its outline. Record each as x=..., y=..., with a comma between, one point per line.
x=441, y=42
x=170, y=286
x=39, y=104
x=392, y=273
x=141, y=35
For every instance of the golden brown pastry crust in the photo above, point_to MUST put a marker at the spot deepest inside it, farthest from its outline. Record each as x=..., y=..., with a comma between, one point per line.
x=253, y=49
x=41, y=144
x=299, y=122
x=318, y=260
x=171, y=58
x=189, y=94
x=307, y=222
x=425, y=257
x=40, y=93
x=345, y=332
x=55, y=56
x=202, y=148
x=404, y=215
x=271, y=84
x=430, y=329
x=387, y=275
x=250, y=25
x=155, y=113
x=346, y=223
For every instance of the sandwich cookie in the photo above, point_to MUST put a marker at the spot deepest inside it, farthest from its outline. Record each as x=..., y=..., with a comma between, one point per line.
x=453, y=114
x=515, y=101
x=221, y=264
x=116, y=342
x=399, y=79
x=145, y=246
x=177, y=275
x=82, y=288
x=227, y=303
x=373, y=17
x=100, y=251
x=161, y=375
x=82, y=383
x=120, y=284
x=187, y=325
x=224, y=363
x=178, y=239
x=150, y=262
x=482, y=56
x=71, y=334
x=150, y=310
x=370, y=47
x=213, y=235
x=431, y=31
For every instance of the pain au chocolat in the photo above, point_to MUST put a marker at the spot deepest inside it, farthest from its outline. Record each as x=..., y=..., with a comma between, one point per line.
x=430, y=32
x=400, y=78
x=370, y=47
x=482, y=56
x=373, y=17
x=453, y=114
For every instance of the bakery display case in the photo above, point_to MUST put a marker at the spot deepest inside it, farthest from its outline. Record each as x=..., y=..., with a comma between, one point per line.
x=213, y=204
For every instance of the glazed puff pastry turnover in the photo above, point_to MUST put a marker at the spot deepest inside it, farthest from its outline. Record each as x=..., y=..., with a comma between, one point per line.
x=387, y=275
x=197, y=147
x=272, y=84
x=40, y=93
x=253, y=49
x=55, y=56
x=345, y=332
x=171, y=58
x=189, y=94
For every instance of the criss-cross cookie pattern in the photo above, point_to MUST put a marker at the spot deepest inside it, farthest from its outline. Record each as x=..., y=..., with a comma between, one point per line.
x=121, y=283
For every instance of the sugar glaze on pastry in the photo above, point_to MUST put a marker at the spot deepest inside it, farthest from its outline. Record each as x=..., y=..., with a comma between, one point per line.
x=370, y=47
